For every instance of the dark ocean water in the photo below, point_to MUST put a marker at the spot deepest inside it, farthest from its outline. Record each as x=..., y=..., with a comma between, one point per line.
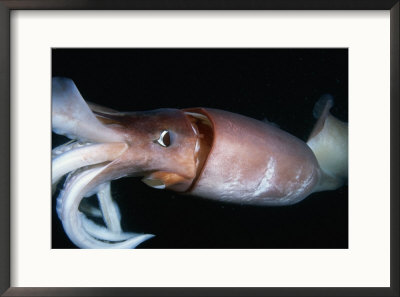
x=281, y=85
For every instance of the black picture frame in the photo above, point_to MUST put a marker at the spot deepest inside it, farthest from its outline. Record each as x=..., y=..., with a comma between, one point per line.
x=7, y=6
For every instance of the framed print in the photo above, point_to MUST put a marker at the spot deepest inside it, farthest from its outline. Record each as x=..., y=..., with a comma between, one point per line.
x=163, y=149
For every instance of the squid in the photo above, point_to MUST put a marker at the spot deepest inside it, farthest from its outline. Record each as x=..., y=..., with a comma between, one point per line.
x=203, y=152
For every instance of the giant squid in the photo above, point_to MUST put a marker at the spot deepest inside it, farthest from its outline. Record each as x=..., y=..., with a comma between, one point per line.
x=199, y=151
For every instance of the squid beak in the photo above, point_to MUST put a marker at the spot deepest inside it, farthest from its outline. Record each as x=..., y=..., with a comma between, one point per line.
x=162, y=180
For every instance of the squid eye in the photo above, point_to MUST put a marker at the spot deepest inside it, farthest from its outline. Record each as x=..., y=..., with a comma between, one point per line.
x=164, y=139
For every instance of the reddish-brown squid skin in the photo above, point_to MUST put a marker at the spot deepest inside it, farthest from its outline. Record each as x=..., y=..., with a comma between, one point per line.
x=144, y=156
x=241, y=159
x=253, y=162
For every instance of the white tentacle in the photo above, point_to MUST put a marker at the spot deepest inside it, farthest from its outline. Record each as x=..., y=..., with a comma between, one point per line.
x=65, y=147
x=110, y=210
x=81, y=156
x=75, y=223
x=105, y=234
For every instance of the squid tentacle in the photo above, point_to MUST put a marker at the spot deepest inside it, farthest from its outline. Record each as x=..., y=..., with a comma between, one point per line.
x=85, y=155
x=65, y=147
x=110, y=210
x=104, y=233
x=75, y=222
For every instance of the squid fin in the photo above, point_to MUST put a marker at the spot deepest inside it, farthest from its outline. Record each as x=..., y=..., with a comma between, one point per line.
x=329, y=142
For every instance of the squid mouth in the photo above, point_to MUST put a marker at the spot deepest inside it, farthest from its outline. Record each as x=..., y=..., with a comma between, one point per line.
x=86, y=165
